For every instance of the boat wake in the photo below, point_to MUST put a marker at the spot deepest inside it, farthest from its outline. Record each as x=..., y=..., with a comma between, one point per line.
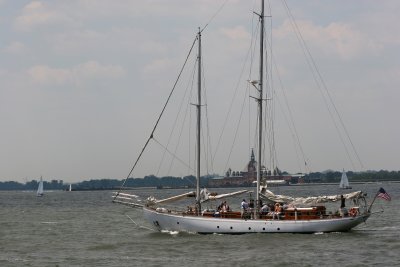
x=170, y=232
x=319, y=233
x=380, y=229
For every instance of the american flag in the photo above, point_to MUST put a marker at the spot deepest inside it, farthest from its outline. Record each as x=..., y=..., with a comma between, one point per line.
x=382, y=194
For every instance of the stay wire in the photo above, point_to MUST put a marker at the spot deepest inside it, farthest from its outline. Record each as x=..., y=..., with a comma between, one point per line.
x=207, y=145
x=249, y=54
x=172, y=154
x=315, y=68
x=159, y=118
x=212, y=18
x=290, y=121
x=236, y=132
x=184, y=119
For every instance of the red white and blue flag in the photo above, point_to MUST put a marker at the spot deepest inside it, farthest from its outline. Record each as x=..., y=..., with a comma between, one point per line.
x=382, y=194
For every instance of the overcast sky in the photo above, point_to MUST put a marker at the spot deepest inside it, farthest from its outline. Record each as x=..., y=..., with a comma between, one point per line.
x=82, y=82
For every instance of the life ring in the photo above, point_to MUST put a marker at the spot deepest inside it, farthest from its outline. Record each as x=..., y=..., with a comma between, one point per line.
x=353, y=212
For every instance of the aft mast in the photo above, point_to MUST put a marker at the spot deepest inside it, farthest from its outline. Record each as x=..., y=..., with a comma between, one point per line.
x=260, y=105
x=198, y=124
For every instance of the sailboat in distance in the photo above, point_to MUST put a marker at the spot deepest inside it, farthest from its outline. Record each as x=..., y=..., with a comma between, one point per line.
x=344, y=181
x=40, y=191
x=284, y=214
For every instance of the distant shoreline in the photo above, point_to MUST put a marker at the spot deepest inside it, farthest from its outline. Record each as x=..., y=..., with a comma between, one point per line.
x=380, y=182
x=189, y=188
x=117, y=188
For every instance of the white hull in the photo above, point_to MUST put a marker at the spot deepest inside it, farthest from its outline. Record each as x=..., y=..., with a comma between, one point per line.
x=346, y=187
x=198, y=224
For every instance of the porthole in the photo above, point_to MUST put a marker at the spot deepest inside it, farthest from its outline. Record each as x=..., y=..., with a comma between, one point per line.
x=264, y=229
x=218, y=226
x=249, y=228
x=231, y=227
x=279, y=229
x=177, y=222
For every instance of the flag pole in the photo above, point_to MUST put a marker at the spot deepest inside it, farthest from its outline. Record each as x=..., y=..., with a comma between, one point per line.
x=370, y=206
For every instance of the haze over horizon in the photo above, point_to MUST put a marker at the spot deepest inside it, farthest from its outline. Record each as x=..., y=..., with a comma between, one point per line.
x=82, y=82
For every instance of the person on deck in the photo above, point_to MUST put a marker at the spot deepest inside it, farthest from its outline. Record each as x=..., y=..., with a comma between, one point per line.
x=342, y=202
x=343, y=211
x=225, y=207
x=219, y=208
x=265, y=209
x=278, y=210
x=244, y=207
x=251, y=205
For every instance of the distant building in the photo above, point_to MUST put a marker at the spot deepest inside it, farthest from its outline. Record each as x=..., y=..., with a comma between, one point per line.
x=248, y=177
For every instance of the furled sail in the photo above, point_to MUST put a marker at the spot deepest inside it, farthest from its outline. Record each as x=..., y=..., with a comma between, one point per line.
x=270, y=196
x=205, y=195
x=152, y=201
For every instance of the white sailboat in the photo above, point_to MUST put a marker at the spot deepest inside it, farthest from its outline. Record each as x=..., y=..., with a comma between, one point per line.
x=70, y=188
x=40, y=191
x=290, y=215
x=344, y=181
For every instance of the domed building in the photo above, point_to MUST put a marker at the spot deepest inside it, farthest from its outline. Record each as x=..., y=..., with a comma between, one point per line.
x=238, y=178
x=248, y=176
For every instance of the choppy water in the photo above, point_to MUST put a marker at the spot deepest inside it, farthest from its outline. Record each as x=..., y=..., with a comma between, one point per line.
x=87, y=229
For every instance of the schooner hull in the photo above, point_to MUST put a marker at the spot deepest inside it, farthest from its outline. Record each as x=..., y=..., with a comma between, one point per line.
x=198, y=224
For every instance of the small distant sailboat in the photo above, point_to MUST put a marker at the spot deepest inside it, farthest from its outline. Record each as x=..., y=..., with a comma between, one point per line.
x=70, y=188
x=39, y=192
x=344, y=182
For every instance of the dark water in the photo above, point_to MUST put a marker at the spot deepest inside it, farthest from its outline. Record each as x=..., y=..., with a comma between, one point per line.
x=87, y=229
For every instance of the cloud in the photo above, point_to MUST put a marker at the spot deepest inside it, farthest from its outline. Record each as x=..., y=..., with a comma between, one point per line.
x=36, y=14
x=157, y=66
x=130, y=41
x=77, y=75
x=15, y=48
x=94, y=69
x=45, y=75
x=336, y=38
x=236, y=33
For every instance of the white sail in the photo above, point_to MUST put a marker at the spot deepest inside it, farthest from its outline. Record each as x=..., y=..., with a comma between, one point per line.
x=39, y=192
x=70, y=188
x=344, y=181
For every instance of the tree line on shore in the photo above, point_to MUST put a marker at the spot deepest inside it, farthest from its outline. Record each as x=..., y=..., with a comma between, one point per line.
x=190, y=181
